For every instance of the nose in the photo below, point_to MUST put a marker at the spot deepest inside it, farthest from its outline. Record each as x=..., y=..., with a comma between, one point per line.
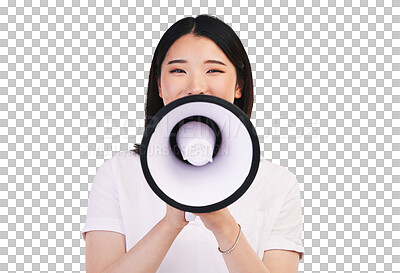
x=197, y=86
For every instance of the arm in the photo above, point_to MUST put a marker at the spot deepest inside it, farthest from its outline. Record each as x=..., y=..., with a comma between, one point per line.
x=243, y=258
x=281, y=261
x=225, y=229
x=105, y=250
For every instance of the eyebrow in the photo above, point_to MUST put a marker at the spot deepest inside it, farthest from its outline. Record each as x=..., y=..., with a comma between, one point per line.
x=181, y=61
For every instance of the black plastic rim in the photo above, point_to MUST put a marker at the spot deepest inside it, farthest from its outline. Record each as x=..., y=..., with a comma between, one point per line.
x=213, y=126
x=210, y=99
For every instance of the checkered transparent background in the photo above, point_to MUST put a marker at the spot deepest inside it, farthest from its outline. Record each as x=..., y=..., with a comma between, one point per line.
x=73, y=78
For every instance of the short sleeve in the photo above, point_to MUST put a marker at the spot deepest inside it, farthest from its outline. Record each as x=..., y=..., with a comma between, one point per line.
x=287, y=231
x=104, y=211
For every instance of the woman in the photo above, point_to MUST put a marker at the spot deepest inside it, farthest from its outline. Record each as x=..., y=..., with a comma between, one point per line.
x=129, y=229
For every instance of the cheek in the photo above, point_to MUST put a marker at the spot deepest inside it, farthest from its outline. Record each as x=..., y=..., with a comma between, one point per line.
x=170, y=89
x=168, y=86
x=224, y=88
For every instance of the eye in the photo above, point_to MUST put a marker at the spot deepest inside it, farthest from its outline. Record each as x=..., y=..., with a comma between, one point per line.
x=177, y=71
x=214, y=71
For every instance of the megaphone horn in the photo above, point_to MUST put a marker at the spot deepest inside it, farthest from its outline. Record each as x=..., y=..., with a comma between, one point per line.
x=200, y=153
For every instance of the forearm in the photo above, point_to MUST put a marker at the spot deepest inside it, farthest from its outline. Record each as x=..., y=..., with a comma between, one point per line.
x=148, y=253
x=242, y=258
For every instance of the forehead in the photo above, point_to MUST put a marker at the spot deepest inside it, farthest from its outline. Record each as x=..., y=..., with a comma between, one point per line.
x=189, y=46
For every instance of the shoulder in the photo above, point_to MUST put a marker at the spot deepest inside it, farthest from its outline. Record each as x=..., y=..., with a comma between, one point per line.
x=120, y=162
x=270, y=187
x=275, y=174
x=121, y=158
x=125, y=155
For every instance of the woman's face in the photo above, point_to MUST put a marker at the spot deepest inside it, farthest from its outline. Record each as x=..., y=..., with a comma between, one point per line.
x=196, y=65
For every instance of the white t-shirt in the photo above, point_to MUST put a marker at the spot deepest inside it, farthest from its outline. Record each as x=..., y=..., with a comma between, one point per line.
x=269, y=213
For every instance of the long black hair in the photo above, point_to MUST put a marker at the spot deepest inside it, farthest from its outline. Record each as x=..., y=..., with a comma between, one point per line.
x=224, y=37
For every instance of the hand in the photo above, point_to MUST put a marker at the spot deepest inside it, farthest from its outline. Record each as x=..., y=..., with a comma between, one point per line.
x=175, y=218
x=223, y=226
x=220, y=221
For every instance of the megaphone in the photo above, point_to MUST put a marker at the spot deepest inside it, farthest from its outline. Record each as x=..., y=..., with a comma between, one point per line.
x=200, y=153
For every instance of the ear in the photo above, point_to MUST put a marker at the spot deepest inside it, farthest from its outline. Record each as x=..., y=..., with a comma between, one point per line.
x=159, y=88
x=238, y=90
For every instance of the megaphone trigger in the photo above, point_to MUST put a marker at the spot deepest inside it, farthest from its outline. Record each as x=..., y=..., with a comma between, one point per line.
x=189, y=216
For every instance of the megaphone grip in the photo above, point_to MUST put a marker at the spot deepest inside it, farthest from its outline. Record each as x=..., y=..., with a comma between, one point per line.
x=189, y=216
